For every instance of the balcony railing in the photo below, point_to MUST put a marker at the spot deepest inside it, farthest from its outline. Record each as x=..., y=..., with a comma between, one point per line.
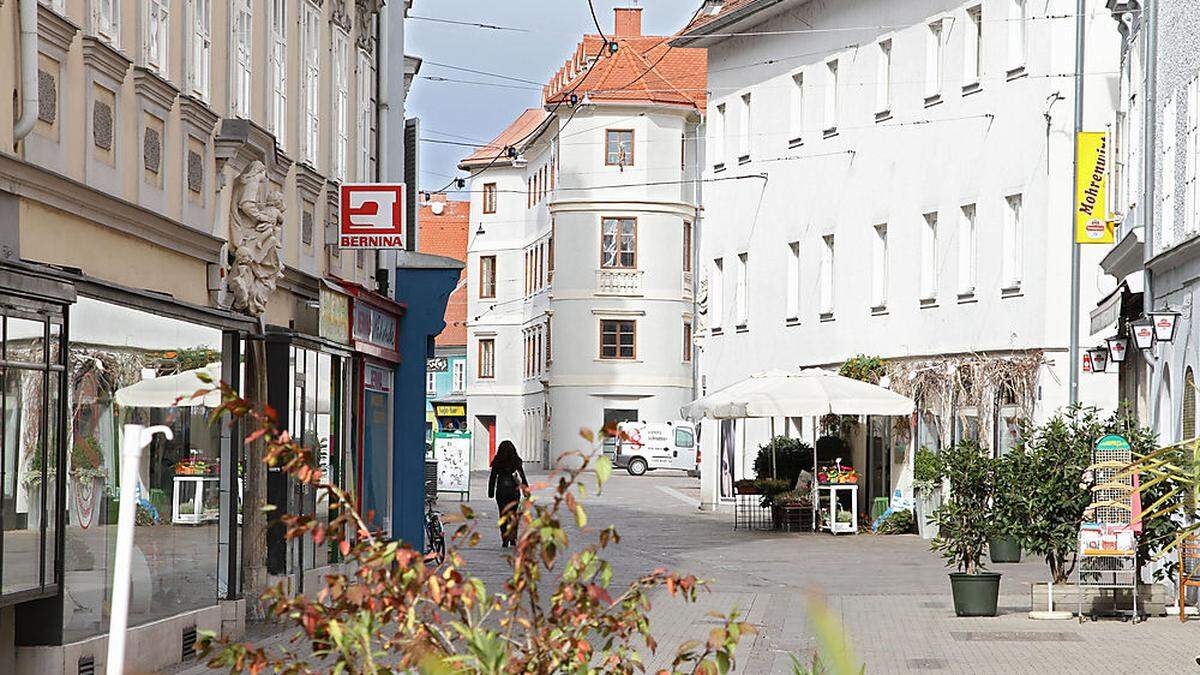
x=618, y=282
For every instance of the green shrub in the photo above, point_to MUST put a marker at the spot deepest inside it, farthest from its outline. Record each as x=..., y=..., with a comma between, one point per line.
x=927, y=470
x=898, y=522
x=964, y=520
x=791, y=457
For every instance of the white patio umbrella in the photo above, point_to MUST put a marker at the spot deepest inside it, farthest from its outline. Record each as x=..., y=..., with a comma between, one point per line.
x=169, y=391
x=808, y=393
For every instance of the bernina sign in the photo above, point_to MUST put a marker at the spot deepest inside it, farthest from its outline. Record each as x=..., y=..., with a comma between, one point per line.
x=372, y=216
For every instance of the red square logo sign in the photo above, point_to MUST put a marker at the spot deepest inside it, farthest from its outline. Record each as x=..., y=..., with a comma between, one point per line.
x=372, y=216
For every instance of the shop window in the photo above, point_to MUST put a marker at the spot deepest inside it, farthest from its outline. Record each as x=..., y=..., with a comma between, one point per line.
x=32, y=382
x=133, y=367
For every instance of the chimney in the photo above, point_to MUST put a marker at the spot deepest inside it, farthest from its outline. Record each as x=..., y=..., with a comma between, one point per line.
x=628, y=22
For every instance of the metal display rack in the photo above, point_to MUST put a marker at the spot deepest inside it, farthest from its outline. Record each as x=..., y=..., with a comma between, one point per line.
x=1109, y=565
x=828, y=506
x=749, y=513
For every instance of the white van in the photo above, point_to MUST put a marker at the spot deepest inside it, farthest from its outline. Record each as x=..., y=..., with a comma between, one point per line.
x=646, y=446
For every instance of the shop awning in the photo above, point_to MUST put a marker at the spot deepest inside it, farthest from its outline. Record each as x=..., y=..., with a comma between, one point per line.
x=1125, y=258
x=810, y=392
x=175, y=390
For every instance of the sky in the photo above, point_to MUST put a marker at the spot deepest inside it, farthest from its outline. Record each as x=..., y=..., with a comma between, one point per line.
x=475, y=113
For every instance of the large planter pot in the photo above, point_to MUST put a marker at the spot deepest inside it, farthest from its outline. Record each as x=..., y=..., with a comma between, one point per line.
x=927, y=503
x=1004, y=550
x=975, y=594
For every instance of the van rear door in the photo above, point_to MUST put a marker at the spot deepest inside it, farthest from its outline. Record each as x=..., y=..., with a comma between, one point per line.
x=684, y=450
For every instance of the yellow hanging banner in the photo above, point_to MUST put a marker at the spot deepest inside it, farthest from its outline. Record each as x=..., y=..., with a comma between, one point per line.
x=1092, y=225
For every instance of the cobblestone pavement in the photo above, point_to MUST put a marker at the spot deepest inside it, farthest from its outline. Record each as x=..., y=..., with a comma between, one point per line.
x=891, y=594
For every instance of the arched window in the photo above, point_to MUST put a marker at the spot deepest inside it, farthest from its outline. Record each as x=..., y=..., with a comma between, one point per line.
x=1189, y=405
x=1166, y=409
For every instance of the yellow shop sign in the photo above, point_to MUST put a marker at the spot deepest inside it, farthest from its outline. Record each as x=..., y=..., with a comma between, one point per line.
x=1092, y=225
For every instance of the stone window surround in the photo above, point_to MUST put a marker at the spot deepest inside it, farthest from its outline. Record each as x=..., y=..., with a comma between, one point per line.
x=106, y=67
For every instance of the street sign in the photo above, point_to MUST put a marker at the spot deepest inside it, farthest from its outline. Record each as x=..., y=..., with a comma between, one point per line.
x=372, y=216
x=1092, y=225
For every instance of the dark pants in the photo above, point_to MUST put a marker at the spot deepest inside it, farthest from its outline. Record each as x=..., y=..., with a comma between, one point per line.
x=507, y=505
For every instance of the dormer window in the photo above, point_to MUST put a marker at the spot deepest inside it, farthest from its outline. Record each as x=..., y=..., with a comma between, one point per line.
x=713, y=7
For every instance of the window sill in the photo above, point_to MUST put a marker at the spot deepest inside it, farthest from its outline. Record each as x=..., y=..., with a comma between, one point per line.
x=743, y=328
x=603, y=360
x=826, y=317
x=718, y=168
x=933, y=100
x=795, y=143
x=830, y=132
x=716, y=330
x=972, y=88
x=928, y=303
x=792, y=321
x=744, y=159
x=1015, y=73
x=883, y=115
x=879, y=310
x=1011, y=292
x=967, y=298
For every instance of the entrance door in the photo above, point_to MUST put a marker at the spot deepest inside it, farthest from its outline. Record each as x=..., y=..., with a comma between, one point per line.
x=489, y=427
x=879, y=459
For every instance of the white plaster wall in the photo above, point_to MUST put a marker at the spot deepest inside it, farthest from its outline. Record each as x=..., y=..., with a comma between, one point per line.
x=974, y=148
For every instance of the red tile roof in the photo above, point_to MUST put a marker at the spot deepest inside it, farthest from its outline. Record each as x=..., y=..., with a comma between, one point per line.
x=517, y=135
x=705, y=16
x=644, y=69
x=446, y=234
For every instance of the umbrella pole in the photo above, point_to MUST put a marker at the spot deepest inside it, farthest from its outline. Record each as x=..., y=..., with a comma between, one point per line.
x=772, y=441
x=813, y=486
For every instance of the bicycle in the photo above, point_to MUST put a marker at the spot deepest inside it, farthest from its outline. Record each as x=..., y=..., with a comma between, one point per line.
x=435, y=535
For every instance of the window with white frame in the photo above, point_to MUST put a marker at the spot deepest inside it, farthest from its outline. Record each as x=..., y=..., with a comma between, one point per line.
x=831, y=95
x=279, y=70
x=718, y=137
x=106, y=16
x=929, y=236
x=883, y=77
x=716, y=295
x=973, y=43
x=200, y=63
x=243, y=54
x=879, y=267
x=341, y=102
x=935, y=44
x=1190, y=201
x=1018, y=34
x=793, y=281
x=827, y=277
x=1167, y=207
x=310, y=27
x=458, y=376
x=796, y=118
x=966, y=251
x=155, y=42
x=366, y=114
x=745, y=130
x=741, y=297
x=1010, y=262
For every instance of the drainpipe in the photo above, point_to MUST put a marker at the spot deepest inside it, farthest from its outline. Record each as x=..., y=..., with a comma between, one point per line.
x=28, y=10
x=1149, y=125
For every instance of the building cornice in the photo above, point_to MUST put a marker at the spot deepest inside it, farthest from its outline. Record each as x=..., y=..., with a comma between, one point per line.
x=308, y=181
x=55, y=30
x=70, y=196
x=99, y=55
x=671, y=207
x=241, y=142
x=721, y=24
x=154, y=88
x=301, y=283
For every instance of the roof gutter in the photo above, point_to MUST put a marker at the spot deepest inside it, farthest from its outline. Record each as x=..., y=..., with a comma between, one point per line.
x=28, y=13
x=716, y=25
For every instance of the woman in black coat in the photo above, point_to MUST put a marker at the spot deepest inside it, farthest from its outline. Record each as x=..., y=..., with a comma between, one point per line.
x=505, y=485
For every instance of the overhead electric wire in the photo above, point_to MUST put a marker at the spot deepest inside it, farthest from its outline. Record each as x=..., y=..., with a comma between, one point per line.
x=500, y=85
x=474, y=24
x=475, y=71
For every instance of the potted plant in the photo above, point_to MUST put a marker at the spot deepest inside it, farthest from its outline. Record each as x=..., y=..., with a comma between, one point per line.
x=927, y=486
x=964, y=524
x=88, y=479
x=783, y=458
x=1010, y=509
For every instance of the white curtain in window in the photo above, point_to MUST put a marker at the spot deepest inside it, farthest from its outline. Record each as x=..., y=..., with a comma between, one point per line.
x=243, y=41
x=341, y=102
x=883, y=77
x=366, y=113
x=741, y=298
x=279, y=69
x=966, y=250
x=929, y=237
x=879, y=267
x=827, y=276
x=796, y=120
x=793, y=280
x=201, y=61
x=1018, y=30
x=831, y=94
x=1010, y=267
x=311, y=72
x=158, y=30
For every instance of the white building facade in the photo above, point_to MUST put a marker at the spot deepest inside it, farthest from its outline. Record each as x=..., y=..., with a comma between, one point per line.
x=579, y=262
x=907, y=195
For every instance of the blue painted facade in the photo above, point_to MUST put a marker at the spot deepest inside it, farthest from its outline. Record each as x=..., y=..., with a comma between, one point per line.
x=445, y=391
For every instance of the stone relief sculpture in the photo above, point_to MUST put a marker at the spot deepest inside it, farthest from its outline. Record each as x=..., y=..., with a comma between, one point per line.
x=701, y=308
x=256, y=241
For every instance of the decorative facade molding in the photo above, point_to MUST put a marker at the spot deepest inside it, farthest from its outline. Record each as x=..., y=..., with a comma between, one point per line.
x=197, y=115
x=340, y=17
x=366, y=11
x=100, y=56
x=241, y=142
x=55, y=32
x=308, y=182
x=154, y=89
